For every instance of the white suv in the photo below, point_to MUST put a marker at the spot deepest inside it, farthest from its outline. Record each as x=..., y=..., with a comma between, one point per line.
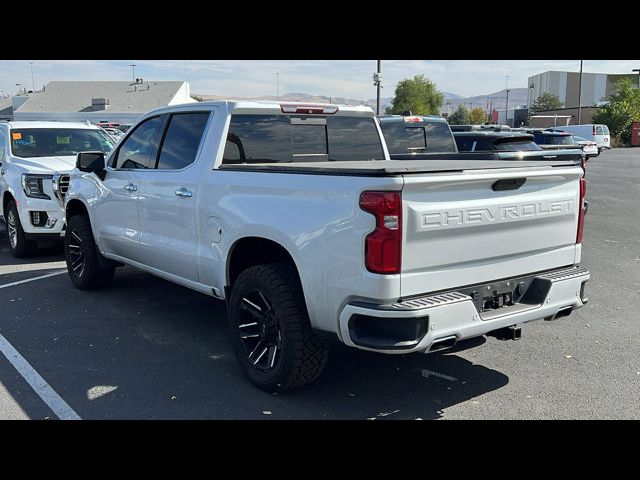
x=35, y=159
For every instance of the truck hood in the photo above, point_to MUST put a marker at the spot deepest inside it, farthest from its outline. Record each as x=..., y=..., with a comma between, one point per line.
x=45, y=165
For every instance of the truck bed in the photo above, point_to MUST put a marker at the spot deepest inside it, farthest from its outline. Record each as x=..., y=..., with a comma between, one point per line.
x=386, y=168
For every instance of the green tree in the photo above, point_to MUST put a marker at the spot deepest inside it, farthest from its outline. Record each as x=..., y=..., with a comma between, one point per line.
x=623, y=108
x=417, y=94
x=477, y=116
x=460, y=116
x=546, y=101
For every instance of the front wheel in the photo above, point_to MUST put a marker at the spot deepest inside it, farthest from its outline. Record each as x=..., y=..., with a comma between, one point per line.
x=270, y=329
x=18, y=243
x=82, y=256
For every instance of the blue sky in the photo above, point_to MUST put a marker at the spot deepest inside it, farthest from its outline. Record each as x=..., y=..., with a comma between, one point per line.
x=344, y=78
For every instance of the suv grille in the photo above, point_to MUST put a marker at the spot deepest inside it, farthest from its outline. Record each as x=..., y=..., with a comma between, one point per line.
x=60, y=187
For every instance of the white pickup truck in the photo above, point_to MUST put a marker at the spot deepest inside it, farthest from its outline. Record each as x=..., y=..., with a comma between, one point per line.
x=295, y=216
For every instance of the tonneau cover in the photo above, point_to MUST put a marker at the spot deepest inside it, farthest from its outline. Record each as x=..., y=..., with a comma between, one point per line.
x=394, y=167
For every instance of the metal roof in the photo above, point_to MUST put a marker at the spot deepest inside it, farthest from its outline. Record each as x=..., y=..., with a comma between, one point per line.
x=76, y=96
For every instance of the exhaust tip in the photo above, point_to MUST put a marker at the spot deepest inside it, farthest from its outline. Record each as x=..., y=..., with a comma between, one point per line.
x=443, y=343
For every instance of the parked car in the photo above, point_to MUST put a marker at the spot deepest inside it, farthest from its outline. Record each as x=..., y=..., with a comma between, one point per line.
x=589, y=148
x=114, y=132
x=296, y=217
x=487, y=141
x=416, y=134
x=33, y=155
x=124, y=127
x=594, y=132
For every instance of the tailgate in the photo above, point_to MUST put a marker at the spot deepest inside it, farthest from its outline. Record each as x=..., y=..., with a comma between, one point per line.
x=461, y=230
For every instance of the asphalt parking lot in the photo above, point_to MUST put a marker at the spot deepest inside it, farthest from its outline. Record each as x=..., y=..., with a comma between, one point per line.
x=148, y=349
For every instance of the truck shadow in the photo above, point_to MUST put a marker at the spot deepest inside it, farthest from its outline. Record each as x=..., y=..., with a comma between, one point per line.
x=359, y=384
x=149, y=349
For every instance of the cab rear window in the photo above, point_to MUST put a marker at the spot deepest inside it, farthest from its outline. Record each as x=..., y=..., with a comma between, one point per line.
x=301, y=138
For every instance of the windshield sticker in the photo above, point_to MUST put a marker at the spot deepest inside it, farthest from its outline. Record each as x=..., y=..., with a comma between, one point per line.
x=16, y=135
x=24, y=142
x=63, y=140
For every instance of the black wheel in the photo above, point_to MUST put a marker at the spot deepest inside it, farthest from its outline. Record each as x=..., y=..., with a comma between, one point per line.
x=18, y=243
x=82, y=256
x=270, y=329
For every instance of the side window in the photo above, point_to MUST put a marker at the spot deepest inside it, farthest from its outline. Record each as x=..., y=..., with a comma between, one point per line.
x=599, y=130
x=181, y=142
x=140, y=149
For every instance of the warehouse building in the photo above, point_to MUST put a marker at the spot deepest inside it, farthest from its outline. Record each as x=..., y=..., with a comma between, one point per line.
x=596, y=87
x=110, y=101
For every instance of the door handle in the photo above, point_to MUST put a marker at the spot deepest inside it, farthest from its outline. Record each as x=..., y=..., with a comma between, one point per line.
x=130, y=187
x=183, y=192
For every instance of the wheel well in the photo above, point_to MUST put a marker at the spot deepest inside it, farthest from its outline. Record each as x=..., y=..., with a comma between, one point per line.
x=5, y=201
x=75, y=207
x=250, y=251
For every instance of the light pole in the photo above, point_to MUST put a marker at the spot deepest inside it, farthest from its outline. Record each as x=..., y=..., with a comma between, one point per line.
x=33, y=84
x=637, y=70
x=580, y=96
x=506, y=107
x=278, y=85
x=377, y=81
x=133, y=72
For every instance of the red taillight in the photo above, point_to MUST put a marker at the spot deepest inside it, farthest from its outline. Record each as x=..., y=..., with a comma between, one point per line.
x=583, y=191
x=309, y=109
x=383, y=246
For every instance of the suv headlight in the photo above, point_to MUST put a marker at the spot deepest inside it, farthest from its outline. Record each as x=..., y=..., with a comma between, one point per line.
x=32, y=186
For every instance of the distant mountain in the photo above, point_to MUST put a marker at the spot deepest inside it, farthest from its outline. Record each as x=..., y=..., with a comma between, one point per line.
x=517, y=97
x=496, y=100
x=289, y=97
x=451, y=96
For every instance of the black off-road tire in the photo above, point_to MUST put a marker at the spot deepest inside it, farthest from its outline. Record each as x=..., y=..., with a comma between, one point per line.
x=20, y=247
x=303, y=354
x=79, y=238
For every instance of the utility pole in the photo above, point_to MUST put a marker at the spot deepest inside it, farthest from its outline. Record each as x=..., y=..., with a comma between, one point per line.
x=580, y=96
x=278, y=85
x=490, y=110
x=33, y=84
x=377, y=81
x=133, y=72
x=637, y=70
x=531, y=87
x=506, y=107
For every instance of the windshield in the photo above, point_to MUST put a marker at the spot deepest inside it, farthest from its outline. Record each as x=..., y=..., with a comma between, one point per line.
x=419, y=137
x=58, y=142
x=579, y=139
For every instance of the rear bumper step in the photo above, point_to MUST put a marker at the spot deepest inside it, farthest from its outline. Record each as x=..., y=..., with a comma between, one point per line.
x=424, y=323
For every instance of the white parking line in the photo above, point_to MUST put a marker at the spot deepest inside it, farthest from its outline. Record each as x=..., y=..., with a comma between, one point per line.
x=32, y=279
x=48, y=395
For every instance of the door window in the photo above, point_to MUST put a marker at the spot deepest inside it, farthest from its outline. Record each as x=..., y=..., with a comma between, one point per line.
x=140, y=148
x=182, y=140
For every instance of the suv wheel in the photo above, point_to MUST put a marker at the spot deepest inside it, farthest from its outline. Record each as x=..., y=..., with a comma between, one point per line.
x=82, y=256
x=270, y=329
x=18, y=243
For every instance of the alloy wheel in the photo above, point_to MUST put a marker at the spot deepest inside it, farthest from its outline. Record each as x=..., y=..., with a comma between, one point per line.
x=13, y=231
x=259, y=331
x=76, y=254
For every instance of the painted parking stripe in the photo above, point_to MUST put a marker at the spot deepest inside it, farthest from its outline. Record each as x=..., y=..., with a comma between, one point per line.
x=33, y=279
x=48, y=395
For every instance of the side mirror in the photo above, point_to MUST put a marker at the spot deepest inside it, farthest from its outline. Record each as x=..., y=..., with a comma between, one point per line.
x=91, y=162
